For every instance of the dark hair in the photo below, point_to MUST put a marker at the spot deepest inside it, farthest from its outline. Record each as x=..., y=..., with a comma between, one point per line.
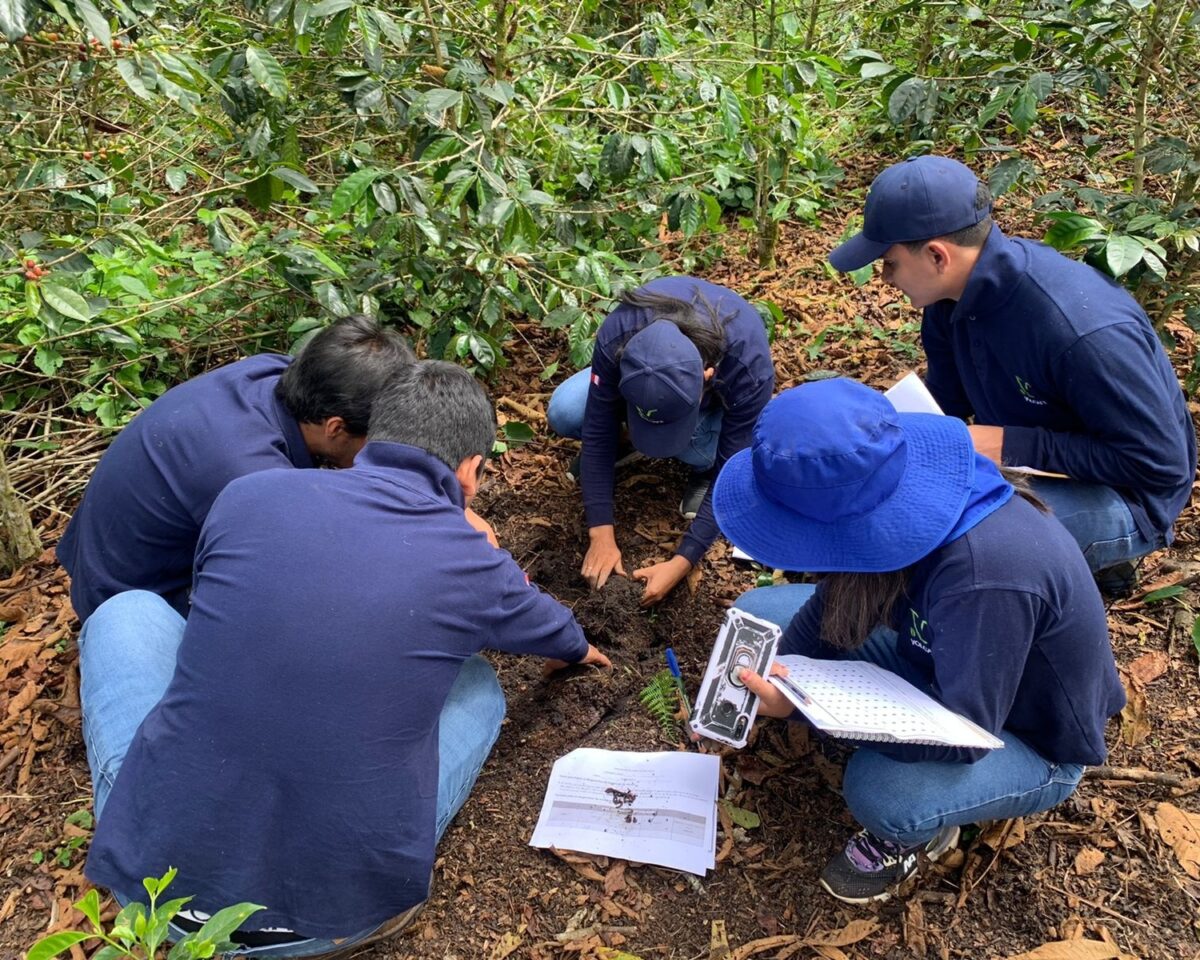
x=341, y=370
x=857, y=603
x=973, y=236
x=697, y=320
x=439, y=407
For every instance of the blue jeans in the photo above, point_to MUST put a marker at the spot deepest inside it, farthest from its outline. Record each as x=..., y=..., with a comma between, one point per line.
x=567, y=404
x=910, y=803
x=127, y=652
x=1099, y=520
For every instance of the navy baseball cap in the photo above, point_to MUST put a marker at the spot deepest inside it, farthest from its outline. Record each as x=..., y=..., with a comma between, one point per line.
x=917, y=199
x=662, y=381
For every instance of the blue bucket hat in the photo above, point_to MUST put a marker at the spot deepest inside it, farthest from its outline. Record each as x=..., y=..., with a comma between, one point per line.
x=662, y=381
x=917, y=199
x=837, y=480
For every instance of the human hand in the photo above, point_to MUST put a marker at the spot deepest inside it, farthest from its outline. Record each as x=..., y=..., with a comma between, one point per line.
x=661, y=578
x=476, y=521
x=603, y=557
x=988, y=441
x=593, y=658
x=772, y=702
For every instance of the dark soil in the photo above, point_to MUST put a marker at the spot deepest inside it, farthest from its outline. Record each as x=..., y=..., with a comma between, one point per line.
x=1096, y=867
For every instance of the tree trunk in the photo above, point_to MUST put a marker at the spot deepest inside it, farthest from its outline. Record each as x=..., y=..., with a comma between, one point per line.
x=19, y=542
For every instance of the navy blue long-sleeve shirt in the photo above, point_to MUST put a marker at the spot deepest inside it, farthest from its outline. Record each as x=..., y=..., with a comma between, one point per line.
x=1008, y=627
x=293, y=761
x=742, y=385
x=137, y=526
x=1068, y=364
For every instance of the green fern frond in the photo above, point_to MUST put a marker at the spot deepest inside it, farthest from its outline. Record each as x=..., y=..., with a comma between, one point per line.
x=661, y=700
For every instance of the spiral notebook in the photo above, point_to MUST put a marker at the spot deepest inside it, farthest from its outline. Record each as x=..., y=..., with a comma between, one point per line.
x=862, y=701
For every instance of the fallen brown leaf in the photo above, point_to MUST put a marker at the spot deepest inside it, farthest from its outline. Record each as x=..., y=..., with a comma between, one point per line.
x=1148, y=667
x=852, y=932
x=1073, y=950
x=1087, y=860
x=763, y=945
x=1004, y=834
x=1181, y=830
x=1135, y=724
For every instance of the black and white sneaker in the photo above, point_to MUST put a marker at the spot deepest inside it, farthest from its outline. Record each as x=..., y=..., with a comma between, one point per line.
x=694, y=494
x=869, y=868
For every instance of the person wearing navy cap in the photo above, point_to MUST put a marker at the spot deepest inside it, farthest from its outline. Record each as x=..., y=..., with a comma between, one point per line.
x=685, y=365
x=931, y=568
x=1057, y=364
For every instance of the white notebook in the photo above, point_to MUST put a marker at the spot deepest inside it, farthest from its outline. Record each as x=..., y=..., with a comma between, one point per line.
x=862, y=701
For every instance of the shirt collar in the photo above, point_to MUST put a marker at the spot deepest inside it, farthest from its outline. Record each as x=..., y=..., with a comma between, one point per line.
x=995, y=276
x=421, y=469
x=293, y=438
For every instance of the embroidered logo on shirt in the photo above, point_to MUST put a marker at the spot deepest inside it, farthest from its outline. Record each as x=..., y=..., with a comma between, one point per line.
x=648, y=415
x=1027, y=393
x=595, y=379
x=916, y=630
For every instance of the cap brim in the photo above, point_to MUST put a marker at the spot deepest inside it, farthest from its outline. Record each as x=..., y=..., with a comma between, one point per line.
x=909, y=524
x=856, y=253
x=662, y=440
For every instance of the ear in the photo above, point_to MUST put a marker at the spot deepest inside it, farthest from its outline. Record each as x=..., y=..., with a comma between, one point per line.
x=333, y=428
x=468, y=473
x=709, y=374
x=940, y=253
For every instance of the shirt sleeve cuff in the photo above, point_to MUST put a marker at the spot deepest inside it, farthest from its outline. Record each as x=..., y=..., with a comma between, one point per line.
x=1020, y=447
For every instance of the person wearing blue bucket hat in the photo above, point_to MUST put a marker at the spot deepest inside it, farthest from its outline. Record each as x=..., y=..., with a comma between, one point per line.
x=1058, y=366
x=684, y=366
x=929, y=566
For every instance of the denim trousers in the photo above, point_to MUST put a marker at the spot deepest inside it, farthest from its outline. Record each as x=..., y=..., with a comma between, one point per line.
x=1099, y=520
x=910, y=803
x=567, y=404
x=127, y=652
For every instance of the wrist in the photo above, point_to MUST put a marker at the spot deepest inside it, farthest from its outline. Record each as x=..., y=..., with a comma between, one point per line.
x=605, y=533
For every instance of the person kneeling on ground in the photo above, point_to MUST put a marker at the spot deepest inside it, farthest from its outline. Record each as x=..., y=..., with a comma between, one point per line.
x=685, y=364
x=936, y=571
x=1059, y=366
x=304, y=738
x=137, y=526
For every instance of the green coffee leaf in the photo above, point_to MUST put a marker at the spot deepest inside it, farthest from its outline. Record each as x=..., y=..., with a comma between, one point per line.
x=56, y=943
x=67, y=302
x=267, y=71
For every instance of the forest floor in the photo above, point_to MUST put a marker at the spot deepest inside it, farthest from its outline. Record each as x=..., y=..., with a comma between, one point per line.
x=1112, y=872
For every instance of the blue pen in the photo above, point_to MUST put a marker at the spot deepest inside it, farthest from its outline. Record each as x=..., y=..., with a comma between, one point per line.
x=673, y=666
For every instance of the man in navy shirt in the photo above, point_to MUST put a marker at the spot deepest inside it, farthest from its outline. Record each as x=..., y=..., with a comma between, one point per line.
x=1059, y=366
x=303, y=739
x=141, y=513
x=686, y=366
x=985, y=603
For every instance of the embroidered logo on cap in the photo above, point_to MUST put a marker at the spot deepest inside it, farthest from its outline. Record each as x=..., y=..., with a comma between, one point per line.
x=648, y=415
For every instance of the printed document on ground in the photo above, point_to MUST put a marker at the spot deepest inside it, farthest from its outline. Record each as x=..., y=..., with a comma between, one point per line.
x=655, y=808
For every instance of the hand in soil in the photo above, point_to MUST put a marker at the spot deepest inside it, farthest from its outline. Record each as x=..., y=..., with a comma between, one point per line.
x=482, y=526
x=771, y=700
x=661, y=578
x=593, y=658
x=603, y=557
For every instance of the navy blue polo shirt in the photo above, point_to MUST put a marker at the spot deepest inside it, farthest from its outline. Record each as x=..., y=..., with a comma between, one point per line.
x=742, y=384
x=1068, y=364
x=1008, y=628
x=141, y=513
x=293, y=761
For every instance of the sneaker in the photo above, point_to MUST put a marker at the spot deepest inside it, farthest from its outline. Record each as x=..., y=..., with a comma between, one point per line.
x=869, y=868
x=627, y=456
x=694, y=494
x=1117, y=581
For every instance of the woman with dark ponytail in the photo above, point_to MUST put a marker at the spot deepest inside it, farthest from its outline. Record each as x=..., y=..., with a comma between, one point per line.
x=685, y=366
x=931, y=567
